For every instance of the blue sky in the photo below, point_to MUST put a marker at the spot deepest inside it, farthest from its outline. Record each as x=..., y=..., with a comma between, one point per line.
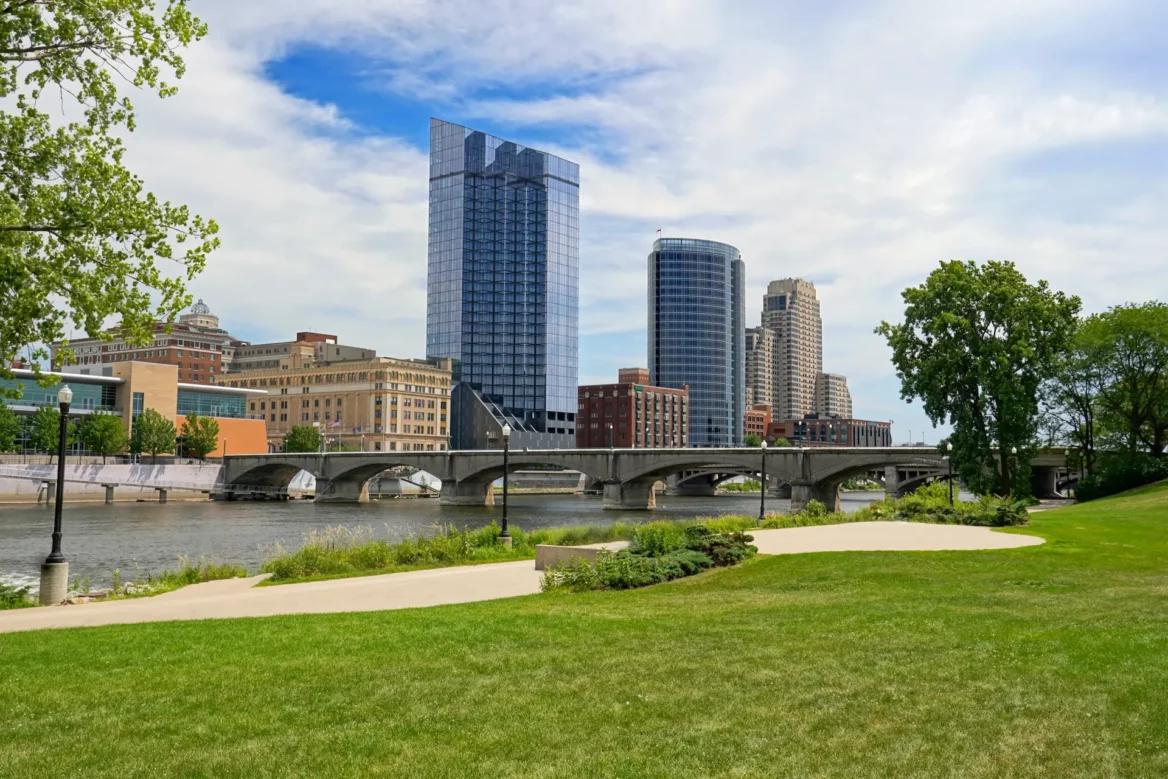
x=855, y=144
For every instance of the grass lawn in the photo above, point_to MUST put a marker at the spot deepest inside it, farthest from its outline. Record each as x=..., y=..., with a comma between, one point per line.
x=1043, y=661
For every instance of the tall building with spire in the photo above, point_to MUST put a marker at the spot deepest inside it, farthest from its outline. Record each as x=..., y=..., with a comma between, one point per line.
x=791, y=310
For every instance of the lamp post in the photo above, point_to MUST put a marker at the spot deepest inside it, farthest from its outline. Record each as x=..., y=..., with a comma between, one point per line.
x=762, y=495
x=1013, y=470
x=949, y=458
x=610, y=435
x=55, y=569
x=505, y=536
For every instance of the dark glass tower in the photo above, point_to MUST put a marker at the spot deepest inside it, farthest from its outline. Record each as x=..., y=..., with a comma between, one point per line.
x=503, y=286
x=697, y=334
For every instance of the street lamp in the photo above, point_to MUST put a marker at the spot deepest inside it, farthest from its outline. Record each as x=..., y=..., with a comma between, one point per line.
x=55, y=569
x=610, y=435
x=762, y=496
x=949, y=457
x=506, y=450
x=1013, y=470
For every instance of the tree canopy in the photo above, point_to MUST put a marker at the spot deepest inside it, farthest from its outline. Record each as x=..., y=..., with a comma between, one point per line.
x=153, y=434
x=200, y=435
x=976, y=343
x=9, y=428
x=103, y=434
x=45, y=430
x=302, y=438
x=81, y=240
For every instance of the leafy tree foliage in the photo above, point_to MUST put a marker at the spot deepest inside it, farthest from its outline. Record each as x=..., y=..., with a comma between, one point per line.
x=103, y=434
x=153, y=434
x=45, y=430
x=302, y=439
x=9, y=429
x=781, y=442
x=976, y=344
x=752, y=440
x=80, y=238
x=200, y=435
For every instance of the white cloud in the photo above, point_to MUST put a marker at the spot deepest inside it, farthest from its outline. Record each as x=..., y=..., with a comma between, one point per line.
x=856, y=144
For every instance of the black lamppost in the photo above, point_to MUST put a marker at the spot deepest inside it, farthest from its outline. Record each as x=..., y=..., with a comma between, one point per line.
x=1013, y=470
x=506, y=451
x=55, y=569
x=949, y=458
x=610, y=435
x=762, y=496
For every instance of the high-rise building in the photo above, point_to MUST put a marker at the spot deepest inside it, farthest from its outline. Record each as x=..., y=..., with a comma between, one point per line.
x=697, y=333
x=503, y=286
x=791, y=310
x=760, y=366
x=832, y=397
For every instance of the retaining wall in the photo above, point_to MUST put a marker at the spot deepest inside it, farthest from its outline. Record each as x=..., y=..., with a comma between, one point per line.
x=85, y=481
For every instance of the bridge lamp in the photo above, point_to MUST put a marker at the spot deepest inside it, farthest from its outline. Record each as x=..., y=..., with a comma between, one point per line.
x=1014, y=469
x=506, y=451
x=55, y=569
x=949, y=458
x=762, y=485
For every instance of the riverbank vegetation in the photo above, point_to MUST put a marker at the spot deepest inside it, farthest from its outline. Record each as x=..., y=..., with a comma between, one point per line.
x=929, y=503
x=1041, y=661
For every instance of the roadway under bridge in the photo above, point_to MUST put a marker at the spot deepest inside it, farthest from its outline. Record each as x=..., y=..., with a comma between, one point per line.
x=627, y=475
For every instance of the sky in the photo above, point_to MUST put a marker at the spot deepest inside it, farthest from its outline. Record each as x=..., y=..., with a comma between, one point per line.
x=854, y=144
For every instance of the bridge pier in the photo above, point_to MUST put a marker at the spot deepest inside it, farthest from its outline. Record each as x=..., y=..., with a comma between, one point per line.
x=780, y=490
x=467, y=493
x=803, y=493
x=109, y=493
x=338, y=491
x=629, y=496
x=698, y=486
x=1044, y=482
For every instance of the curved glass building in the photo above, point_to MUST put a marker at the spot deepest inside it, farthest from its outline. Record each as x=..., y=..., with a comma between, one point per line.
x=697, y=334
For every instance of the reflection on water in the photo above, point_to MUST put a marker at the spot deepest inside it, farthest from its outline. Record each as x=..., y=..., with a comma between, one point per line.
x=148, y=537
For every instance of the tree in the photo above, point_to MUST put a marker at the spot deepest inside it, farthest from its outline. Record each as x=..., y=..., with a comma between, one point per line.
x=80, y=238
x=1071, y=399
x=103, y=434
x=9, y=429
x=45, y=430
x=1130, y=345
x=200, y=435
x=752, y=439
x=781, y=442
x=302, y=439
x=976, y=343
x=153, y=434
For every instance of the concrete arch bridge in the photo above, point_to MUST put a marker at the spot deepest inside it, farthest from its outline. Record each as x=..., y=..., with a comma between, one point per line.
x=628, y=475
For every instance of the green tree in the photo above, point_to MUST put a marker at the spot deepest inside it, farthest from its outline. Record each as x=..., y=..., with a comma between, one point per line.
x=200, y=435
x=80, y=239
x=9, y=429
x=976, y=343
x=1071, y=398
x=302, y=439
x=1129, y=344
x=45, y=430
x=780, y=442
x=752, y=439
x=103, y=434
x=153, y=434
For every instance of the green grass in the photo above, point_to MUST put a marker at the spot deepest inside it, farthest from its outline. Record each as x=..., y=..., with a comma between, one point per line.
x=1044, y=661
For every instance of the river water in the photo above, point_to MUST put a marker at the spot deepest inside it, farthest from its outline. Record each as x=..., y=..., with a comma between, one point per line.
x=141, y=538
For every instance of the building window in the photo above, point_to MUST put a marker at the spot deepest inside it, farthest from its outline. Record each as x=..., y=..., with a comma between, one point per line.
x=137, y=405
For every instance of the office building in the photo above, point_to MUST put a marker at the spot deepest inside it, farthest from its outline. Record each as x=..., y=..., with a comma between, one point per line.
x=760, y=366
x=791, y=310
x=131, y=387
x=819, y=430
x=199, y=349
x=307, y=349
x=374, y=405
x=757, y=420
x=632, y=414
x=503, y=286
x=696, y=333
x=832, y=397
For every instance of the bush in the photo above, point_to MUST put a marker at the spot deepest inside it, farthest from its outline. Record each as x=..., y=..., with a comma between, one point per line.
x=814, y=508
x=656, y=539
x=1116, y=472
x=13, y=597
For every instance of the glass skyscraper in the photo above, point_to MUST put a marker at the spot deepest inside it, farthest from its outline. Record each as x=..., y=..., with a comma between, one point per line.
x=503, y=286
x=697, y=333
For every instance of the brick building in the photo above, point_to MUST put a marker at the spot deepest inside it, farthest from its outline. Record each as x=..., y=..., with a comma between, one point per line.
x=821, y=430
x=639, y=415
x=758, y=419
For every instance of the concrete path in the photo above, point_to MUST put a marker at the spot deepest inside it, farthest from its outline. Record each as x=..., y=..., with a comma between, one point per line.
x=464, y=584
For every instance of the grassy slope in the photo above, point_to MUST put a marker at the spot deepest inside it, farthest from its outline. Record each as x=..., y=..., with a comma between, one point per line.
x=1049, y=660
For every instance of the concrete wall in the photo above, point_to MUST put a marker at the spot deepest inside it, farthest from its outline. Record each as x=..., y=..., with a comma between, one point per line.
x=84, y=482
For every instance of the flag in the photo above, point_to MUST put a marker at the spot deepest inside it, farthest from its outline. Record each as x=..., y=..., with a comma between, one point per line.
x=335, y=423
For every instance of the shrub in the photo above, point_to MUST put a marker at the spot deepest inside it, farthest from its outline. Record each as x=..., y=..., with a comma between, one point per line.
x=814, y=508
x=656, y=538
x=1116, y=472
x=690, y=561
x=572, y=575
x=13, y=597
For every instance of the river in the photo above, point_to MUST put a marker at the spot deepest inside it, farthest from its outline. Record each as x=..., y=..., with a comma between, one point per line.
x=141, y=538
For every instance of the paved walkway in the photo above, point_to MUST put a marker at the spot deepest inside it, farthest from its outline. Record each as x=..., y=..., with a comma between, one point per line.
x=463, y=584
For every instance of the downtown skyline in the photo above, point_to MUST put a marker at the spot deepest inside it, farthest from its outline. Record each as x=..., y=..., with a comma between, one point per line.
x=311, y=153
